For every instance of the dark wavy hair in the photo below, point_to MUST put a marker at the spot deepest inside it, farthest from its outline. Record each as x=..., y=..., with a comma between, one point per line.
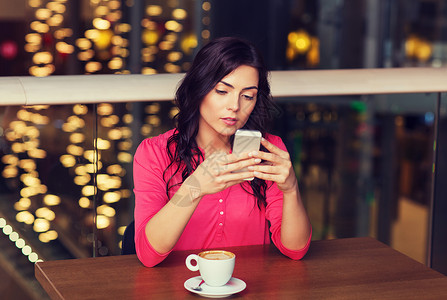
x=213, y=62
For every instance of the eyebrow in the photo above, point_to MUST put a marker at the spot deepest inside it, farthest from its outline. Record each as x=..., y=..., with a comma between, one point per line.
x=244, y=89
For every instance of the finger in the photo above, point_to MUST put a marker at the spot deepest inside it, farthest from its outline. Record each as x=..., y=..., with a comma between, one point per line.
x=274, y=149
x=235, y=177
x=243, y=164
x=273, y=158
x=233, y=157
x=264, y=169
x=265, y=176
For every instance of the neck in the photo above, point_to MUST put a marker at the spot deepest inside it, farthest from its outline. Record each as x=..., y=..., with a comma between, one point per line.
x=213, y=145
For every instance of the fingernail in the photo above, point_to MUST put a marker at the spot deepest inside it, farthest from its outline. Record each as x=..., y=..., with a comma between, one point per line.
x=257, y=160
x=262, y=139
x=253, y=153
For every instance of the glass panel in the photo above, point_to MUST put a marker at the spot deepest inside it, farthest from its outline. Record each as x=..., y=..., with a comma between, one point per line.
x=364, y=165
x=438, y=243
x=41, y=148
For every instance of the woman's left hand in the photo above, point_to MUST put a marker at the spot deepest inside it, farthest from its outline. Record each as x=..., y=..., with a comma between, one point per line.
x=277, y=167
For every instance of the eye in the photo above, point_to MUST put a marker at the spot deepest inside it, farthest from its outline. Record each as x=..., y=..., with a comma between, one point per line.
x=221, y=92
x=248, y=97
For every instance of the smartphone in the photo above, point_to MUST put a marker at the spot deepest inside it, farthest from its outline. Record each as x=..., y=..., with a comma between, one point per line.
x=246, y=141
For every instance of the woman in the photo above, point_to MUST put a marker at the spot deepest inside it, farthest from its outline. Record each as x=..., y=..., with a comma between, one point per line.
x=187, y=195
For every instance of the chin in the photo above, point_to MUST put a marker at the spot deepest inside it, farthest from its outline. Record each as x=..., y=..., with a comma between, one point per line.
x=228, y=131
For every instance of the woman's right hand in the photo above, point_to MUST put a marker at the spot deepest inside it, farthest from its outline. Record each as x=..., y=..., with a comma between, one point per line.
x=216, y=173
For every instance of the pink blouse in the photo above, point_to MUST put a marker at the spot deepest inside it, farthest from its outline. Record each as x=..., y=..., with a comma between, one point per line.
x=228, y=218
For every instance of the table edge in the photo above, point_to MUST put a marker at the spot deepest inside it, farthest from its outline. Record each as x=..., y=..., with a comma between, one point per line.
x=44, y=281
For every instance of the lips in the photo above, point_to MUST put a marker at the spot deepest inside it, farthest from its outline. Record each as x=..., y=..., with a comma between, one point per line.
x=229, y=121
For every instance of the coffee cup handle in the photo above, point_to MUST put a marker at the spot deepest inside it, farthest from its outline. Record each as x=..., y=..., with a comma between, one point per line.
x=188, y=262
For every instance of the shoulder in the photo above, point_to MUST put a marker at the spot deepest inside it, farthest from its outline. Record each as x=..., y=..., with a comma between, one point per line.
x=154, y=147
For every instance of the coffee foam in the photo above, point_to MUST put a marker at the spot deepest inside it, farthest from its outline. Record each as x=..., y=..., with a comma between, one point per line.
x=216, y=255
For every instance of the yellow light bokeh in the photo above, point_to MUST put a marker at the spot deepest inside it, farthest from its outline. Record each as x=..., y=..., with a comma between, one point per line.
x=93, y=66
x=150, y=37
x=67, y=160
x=179, y=14
x=173, y=26
x=25, y=217
x=206, y=6
x=17, y=148
x=88, y=190
x=106, y=210
x=41, y=225
x=34, y=3
x=51, y=200
x=121, y=230
x=10, y=172
x=103, y=39
x=110, y=121
x=63, y=47
x=105, y=109
x=33, y=38
x=171, y=68
x=77, y=138
x=125, y=157
x=111, y=197
x=80, y=109
x=102, y=222
x=102, y=144
x=10, y=159
x=101, y=11
x=80, y=170
x=101, y=24
x=55, y=20
x=188, y=43
x=84, y=202
x=90, y=168
x=27, y=164
x=154, y=10
x=22, y=204
x=146, y=130
x=41, y=71
x=30, y=180
x=45, y=213
x=125, y=145
x=174, y=56
x=115, y=134
x=115, y=63
x=75, y=150
x=37, y=153
x=148, y=71
x=43, y=13
x=128, y=118
x=82, y=179
x=153, y=120
x=92, y=155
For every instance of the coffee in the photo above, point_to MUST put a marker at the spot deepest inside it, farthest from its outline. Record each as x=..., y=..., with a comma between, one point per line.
x=216, y=255
x=215, y=266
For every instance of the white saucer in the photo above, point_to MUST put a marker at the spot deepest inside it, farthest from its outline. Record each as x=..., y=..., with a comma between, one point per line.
x=232, y=287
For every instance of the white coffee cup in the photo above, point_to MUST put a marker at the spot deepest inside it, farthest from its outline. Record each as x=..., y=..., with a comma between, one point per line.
x=215, y=266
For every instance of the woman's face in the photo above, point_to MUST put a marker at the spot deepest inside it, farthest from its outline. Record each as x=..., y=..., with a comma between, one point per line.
x=229, y=104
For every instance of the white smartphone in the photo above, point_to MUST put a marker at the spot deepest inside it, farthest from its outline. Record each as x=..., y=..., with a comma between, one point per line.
x=246, y=141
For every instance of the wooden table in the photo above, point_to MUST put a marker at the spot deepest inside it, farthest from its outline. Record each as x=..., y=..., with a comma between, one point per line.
x=356, y=268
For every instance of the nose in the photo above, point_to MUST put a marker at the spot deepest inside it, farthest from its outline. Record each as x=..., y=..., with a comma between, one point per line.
x=233, y=103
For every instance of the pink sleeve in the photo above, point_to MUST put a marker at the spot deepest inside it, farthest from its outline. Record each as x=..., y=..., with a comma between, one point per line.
x=150, y=196
x=274, y=213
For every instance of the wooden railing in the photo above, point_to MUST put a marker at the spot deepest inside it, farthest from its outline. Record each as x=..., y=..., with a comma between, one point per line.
x=124, y=88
